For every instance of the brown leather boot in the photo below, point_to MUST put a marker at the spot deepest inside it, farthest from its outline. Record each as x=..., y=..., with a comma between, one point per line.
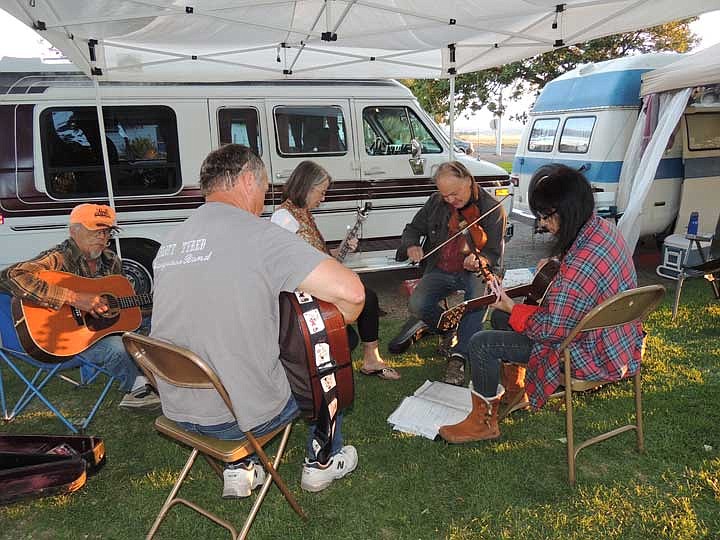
x=481, y=424
x=512, y=377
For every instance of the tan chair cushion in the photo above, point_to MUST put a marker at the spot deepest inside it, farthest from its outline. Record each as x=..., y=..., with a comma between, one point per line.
x=226, y=451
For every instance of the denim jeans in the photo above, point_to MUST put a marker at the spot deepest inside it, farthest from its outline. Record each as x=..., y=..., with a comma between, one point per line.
x=231, y=430
x=436, y=285
x=488, y=348
x=110, y=353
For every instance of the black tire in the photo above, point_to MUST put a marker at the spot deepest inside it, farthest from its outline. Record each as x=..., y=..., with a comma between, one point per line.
x=137, y=259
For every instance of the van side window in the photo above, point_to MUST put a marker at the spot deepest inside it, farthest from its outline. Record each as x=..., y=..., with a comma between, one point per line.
x=240, y=126
x=142, y=150
x=575, y=136
x=542, y=136
x=703, y=131
x=310, y=131
x=389, y=130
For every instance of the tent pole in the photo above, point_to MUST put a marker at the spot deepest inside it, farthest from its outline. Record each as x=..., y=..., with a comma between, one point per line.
x=105, y=155
x=452, y=117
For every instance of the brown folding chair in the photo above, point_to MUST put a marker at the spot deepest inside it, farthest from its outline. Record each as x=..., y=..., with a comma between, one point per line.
x=183, y=368
x=624, y=307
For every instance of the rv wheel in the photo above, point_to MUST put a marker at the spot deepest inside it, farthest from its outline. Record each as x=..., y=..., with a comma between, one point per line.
x=137, y=265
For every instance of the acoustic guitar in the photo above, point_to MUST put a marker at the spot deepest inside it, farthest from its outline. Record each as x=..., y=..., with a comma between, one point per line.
x=54, y=336
x=533, y=293
x=344, y=248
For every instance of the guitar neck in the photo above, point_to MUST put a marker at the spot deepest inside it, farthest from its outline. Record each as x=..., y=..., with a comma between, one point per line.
x=138, y=300
x=513, y=292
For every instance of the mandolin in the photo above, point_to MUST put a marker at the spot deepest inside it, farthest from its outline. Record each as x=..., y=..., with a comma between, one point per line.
x=53, y=336
x=344, y=248
x=533, y=293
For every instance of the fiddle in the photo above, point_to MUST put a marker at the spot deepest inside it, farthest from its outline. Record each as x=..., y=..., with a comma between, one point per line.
x=474, y=237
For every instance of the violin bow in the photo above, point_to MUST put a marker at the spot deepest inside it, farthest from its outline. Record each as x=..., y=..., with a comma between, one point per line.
x=498, y=205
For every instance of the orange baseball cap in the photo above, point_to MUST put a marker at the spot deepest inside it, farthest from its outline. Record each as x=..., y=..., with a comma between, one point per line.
x=93, y=216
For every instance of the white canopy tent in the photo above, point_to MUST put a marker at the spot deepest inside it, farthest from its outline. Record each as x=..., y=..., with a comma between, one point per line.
x=233, y=40
x=673, y=85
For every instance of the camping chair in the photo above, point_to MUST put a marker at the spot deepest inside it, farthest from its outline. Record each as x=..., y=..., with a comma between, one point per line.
x=13, y=356
x=183, y=368
x=709, y=268
x=624, y=307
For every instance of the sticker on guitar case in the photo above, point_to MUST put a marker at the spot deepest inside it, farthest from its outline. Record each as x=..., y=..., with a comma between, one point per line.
x=314, y=321
x=303, y=297
x=328, y=382
x=322, y=354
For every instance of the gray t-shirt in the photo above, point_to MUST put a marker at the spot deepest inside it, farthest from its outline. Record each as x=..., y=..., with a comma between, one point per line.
x=217, y=281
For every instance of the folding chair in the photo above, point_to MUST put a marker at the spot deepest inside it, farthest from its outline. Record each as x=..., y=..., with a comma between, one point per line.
x=13, y=356
x=183, y=368
x=709, y=268
x=624, y=307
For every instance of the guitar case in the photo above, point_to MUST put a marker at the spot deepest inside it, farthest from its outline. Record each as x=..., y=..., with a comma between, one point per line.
x=299, y=359
x=43, y=465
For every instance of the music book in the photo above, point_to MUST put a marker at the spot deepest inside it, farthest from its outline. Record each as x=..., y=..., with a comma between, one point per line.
x=432, y=405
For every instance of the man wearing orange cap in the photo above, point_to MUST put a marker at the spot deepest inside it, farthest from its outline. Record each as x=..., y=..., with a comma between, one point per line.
x=84, y=254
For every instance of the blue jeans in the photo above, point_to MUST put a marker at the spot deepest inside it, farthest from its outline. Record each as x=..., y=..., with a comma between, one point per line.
x=488, y=348
x=110, y=353
x=436, y=285
x=231, y=430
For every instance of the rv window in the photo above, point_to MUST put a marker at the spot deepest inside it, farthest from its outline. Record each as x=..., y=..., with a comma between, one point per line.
x=389, y=130
x=240, y=126
x=703, y=131
x=142, y=150
x=542, y=136
x=575, y=137
x=310, y=131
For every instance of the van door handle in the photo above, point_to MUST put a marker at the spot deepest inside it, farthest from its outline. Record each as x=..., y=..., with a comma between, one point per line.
x=373, y=171
x=283, y=175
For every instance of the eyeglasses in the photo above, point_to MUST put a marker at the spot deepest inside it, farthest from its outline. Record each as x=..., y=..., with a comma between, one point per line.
x=545, y=217
x=100, y=233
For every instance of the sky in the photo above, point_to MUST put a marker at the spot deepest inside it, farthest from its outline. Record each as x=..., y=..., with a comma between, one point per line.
x=18, y=40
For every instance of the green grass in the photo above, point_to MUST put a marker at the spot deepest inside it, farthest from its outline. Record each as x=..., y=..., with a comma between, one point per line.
x=412, y=488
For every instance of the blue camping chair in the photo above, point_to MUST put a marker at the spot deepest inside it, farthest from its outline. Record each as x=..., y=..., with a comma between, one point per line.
x=13, y=356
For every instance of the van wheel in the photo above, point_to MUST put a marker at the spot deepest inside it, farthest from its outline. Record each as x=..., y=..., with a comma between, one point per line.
x=137, y=264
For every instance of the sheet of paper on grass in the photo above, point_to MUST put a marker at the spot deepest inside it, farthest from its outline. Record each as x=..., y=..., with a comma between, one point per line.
x=432, y=405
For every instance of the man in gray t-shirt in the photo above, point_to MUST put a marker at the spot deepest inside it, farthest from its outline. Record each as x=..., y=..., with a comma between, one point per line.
x=217, y=281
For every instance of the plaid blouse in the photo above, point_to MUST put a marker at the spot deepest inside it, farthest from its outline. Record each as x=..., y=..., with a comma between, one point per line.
x=597, y=266
x=20, y=279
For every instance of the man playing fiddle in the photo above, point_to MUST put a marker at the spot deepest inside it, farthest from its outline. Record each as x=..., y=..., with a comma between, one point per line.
x=458, y=202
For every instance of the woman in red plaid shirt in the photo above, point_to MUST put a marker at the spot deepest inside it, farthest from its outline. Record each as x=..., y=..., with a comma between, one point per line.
x=595, y=265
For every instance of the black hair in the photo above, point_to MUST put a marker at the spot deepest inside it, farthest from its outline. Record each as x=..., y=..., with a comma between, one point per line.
x=306, y=175
x=562, y=190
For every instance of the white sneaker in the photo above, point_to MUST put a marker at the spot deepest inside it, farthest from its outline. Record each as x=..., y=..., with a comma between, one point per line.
x=144, y=397
x=316, y=477
x=239, y=480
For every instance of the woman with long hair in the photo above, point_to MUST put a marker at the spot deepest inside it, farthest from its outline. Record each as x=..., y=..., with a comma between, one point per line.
x=595, y=264
x=303, y=192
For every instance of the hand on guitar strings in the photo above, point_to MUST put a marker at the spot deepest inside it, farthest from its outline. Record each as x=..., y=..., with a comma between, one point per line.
x=93, y=304
x=503, y=302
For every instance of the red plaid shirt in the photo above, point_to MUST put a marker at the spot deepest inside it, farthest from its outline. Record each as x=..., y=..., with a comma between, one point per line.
x=597, y=266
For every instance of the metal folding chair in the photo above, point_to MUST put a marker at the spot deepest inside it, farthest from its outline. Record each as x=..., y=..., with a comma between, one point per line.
x=709, y=268
x=624, y=307
x=183, y=368
x=14, y=357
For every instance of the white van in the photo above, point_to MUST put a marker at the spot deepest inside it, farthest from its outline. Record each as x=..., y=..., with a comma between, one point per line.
x=158, y=134
x=584, y=119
